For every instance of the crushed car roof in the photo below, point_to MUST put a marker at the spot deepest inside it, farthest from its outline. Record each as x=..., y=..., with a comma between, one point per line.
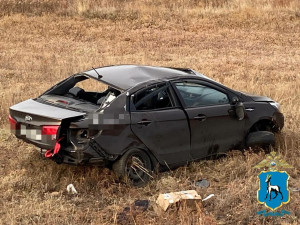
x=125, y=77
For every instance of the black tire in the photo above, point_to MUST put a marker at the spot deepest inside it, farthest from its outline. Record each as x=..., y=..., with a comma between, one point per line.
x=127, y=168
x=260, y=139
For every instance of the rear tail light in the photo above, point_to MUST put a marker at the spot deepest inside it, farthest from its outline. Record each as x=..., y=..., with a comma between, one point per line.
x=49, y=130
x=13, y=123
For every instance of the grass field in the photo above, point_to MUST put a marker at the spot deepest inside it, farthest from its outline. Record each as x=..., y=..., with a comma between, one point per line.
x=253, y=46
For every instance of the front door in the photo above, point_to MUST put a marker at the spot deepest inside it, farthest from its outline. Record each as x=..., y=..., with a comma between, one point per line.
x=159, y=122
x=213, y=129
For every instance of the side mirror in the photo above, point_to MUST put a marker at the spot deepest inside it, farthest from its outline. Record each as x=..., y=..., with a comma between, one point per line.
x=239, y=110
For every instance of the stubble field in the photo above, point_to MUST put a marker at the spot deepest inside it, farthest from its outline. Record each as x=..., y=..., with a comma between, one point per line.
x=252, y=46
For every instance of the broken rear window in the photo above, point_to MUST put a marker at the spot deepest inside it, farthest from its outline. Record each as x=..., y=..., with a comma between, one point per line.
x=80, y=92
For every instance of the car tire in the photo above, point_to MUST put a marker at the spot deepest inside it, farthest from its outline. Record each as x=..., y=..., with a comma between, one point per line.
x=260, y=139
x=127, y=168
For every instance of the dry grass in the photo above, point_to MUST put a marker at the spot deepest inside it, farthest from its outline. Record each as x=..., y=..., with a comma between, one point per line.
x=248, y=45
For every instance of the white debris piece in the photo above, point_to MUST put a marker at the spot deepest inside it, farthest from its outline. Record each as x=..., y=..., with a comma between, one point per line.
x=208, y=197
x=71, y=189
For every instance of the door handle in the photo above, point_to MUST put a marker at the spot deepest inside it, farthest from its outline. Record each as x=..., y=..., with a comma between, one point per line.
x=200, y=117
x=144, y=122
x=249, y=109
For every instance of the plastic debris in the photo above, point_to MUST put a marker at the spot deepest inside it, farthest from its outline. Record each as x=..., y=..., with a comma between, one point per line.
x=202, y=183
x=141, y=205
x=208, y=197
x=190, y=197
x=71, y=189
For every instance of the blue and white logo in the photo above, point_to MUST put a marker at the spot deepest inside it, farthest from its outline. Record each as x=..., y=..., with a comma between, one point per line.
x=273, y=189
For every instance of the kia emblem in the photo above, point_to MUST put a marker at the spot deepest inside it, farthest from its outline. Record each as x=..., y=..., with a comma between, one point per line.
x=28, y=118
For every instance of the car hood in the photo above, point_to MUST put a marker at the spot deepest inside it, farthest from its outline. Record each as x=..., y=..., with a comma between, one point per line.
x=258, y=98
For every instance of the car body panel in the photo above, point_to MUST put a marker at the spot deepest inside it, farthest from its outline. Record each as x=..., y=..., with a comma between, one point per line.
x=167, y=134
x=124, y=77
x=35, y=108
x=217, y=133
x=258, y=98
x=32, y=115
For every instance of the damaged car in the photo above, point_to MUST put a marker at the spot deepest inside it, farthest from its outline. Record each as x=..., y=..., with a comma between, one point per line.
x=146, y=118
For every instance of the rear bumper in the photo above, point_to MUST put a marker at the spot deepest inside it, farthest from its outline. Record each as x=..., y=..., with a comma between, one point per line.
x=89, y=153
x=45, y=143
x=73, y=159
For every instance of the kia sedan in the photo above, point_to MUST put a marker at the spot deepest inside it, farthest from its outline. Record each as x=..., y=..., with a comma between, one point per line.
x=148, y=117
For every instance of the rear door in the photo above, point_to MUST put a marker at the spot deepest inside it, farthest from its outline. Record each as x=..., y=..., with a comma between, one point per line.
x=159, y=122
x=213, y=128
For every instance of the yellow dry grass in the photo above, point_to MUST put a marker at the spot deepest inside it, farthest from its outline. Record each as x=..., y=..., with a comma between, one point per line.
x=247, y=45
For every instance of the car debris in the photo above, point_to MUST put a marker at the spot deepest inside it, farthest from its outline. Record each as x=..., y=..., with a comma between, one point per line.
x=208, y=197
x=203, y=183
x=71, y=189
x=148, y=117
x=189, y=197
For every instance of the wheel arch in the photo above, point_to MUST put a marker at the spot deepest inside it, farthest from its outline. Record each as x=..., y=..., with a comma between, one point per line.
x=263, y=124
x=152, y=157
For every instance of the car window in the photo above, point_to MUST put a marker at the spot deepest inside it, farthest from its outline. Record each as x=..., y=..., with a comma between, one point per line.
x=154, y=97
x=196, y=95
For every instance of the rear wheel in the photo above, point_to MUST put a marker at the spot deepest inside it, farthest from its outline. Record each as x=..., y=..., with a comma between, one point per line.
x=134, y=167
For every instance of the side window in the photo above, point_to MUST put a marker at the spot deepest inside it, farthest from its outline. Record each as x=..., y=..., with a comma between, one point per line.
x=196, y=95
x=154, y=97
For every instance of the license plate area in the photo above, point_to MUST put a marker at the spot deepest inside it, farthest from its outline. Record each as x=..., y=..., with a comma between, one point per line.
x=31, y=132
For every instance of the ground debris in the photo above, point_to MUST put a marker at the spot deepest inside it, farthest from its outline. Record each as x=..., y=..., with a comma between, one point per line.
x=203, y=183
x=188, y=198
x=71, y=189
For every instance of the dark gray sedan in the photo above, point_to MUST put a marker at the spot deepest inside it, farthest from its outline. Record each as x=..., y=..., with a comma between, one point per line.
x=147, y=117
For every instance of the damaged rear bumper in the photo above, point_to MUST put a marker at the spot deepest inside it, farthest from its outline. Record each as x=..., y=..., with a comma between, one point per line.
x=89, y=153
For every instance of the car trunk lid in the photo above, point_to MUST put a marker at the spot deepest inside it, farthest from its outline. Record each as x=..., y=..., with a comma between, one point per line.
x=37, y=122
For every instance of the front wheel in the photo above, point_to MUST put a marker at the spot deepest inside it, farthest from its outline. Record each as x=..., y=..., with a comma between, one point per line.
x=262, y=139
x=134, y=166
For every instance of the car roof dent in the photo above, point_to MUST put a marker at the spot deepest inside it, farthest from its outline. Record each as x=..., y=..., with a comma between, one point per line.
x=124, y=77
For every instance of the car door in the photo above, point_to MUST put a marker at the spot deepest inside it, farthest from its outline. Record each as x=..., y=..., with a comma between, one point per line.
x=213, y=127
x=161, y=124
